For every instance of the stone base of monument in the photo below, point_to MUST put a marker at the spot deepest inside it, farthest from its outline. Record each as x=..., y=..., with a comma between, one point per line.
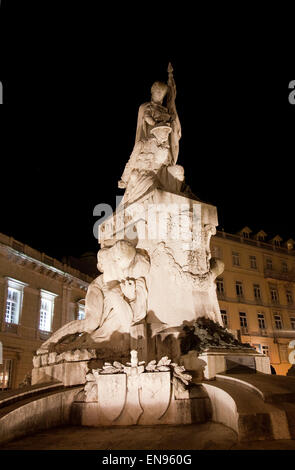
x=146, y=399
x=69, y=373
x=220, y=360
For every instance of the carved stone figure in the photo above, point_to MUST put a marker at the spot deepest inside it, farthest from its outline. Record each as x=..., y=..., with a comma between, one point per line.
x=156, y=145
x=115, y=299
x=150, y=165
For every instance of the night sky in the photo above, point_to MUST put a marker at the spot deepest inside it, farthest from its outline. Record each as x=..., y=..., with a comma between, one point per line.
x=72, y=94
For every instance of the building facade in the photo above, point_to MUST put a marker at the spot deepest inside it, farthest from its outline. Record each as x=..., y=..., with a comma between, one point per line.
x=256, y=292
x=38, y=294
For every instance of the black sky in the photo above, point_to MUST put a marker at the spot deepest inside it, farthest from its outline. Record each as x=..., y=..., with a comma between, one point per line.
x=72, y=93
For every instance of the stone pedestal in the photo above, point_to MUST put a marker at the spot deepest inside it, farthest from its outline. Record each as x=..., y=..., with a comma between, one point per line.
x=144, y=399
x=232, y=361
x=175, y=231
x=69, y=373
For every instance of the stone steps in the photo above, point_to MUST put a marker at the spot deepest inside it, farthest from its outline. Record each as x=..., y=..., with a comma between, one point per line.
x=252, y=407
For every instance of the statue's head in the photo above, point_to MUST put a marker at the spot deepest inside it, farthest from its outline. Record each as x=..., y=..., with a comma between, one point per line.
x=102, y=259
x=123, y=253
x=159, y=91
x=111, y=261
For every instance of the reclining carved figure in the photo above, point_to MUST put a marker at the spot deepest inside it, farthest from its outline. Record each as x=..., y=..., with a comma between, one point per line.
x=115, y=300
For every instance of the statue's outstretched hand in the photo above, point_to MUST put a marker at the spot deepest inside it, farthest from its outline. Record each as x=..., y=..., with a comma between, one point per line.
x=122, y=184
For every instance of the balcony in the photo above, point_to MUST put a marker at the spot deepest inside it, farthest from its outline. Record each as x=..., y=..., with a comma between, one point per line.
x=11, y=328
x=279, y=275
x=263, y=332
x=44, y=335
x=244, y=330
x=253, y=242
x=221, y=295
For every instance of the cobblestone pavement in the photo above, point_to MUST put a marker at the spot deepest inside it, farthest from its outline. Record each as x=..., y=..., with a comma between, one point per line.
x=208, y=436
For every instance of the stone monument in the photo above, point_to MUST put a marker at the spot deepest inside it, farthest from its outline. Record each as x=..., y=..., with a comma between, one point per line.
x=155, y=297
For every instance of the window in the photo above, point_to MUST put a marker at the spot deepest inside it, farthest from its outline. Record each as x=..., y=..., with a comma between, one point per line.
x=46, y=310
x=257, y=291
x=239, y=288
x=5, y=374
x=277, y=243
x=224, y=318
x=261, y=321
x=284, y=267
x=268, y=263
x=243, y=320
x=253, y=263
x=274, y=295
x=278, y=322
x=220, y=286
x=289, y=296
x=265, y=350
x=14, y=300
x=81, y=312
x=12, y=306
x=246, y=234
x=236, y=258
x=292, y=320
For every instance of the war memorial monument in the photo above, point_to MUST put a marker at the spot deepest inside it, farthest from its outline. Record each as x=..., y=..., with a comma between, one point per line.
x=152, y=348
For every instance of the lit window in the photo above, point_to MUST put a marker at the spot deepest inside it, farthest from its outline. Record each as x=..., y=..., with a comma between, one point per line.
x=236, y=258
x=261, y=321
x=220, y=286
x=265, y=350
x=46, y=310
x=292, y=320
x=224, y=318
x=239, y=289
x=269, y=263
x=274, y=295
x=278, y=322
x=81, y=312
x=257, y=291
x=253, y=263
x=289, y=296
x=12, y=306
x=243, y=320
x=14, y=300
x=5, y=374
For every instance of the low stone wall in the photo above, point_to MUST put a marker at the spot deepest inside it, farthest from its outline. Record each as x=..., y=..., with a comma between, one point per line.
x=36, y=413
x=256, y=406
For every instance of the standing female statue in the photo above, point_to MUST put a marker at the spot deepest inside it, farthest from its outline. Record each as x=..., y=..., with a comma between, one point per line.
x=152, y=116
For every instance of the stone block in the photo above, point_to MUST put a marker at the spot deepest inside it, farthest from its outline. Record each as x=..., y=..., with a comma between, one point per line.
x=69, y=373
